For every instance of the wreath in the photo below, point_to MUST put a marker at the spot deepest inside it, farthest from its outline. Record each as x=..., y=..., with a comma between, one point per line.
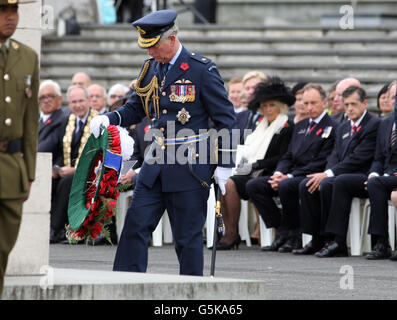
x=94, y=190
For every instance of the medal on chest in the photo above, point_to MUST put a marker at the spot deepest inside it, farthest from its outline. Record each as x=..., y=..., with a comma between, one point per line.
x=182, y=91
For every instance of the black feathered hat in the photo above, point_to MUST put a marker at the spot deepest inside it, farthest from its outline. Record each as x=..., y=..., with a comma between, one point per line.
x=273, y=89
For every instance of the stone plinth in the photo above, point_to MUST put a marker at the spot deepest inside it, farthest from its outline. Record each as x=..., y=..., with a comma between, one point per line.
x=74, y=284
x=31, y=251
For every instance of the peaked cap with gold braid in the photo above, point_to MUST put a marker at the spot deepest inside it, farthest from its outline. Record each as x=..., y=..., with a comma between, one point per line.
x=153, y=25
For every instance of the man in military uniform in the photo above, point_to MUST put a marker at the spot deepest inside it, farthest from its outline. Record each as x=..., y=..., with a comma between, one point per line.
x=182, y=91
x=19, y=116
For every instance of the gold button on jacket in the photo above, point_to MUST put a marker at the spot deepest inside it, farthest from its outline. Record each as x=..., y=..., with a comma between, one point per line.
x=19, y=116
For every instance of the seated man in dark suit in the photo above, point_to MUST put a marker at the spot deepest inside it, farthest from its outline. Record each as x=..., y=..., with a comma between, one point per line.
x=382, y=180
x=76, y=131
x=51, y=119
x=326, y=196
x=340, y=115
x=311, y=143
x=51, y=124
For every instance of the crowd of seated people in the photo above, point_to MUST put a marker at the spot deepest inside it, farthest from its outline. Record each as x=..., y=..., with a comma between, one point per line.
x=312, y=148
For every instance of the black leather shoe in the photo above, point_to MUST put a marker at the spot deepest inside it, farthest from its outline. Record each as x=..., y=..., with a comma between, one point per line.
x=394, y=256
x=277, y=243
x=293, y=243
x=310, y=248
x=333, y=249
x=57, y=237
x=381, y=251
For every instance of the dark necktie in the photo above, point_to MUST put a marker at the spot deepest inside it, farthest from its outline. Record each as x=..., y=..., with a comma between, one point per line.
x=79, y=128
x=310, y=127
x=393, y=137
x=354, y=129
x=164, y=68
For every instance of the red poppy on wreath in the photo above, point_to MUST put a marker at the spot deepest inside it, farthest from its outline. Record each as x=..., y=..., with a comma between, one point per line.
x=184, y=66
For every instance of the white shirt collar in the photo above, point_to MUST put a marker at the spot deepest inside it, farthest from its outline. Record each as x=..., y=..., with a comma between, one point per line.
x=44, y=117
x=176, y=56
x=319, y=118
x=84, y=119
x=357, y=123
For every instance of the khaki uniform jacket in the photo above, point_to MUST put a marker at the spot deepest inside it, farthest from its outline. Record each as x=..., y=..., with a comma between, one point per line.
x=19, y=114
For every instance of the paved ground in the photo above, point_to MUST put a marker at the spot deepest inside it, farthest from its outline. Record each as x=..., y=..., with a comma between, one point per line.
x=287, y=276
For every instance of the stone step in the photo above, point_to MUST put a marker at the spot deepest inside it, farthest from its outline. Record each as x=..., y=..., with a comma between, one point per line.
x=126, y=66
x=231, y=42
x=73, y=284
x=216, y=30
x=228, y=56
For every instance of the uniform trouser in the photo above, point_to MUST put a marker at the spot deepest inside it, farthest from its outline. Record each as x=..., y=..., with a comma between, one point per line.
x=379, y=190
x=10, y=220
x=261, y=195
x=346, y=187
x=187, y=212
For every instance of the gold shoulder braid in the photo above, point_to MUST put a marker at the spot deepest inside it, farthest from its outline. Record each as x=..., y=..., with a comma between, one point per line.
x=149, y=91
x=67, y=138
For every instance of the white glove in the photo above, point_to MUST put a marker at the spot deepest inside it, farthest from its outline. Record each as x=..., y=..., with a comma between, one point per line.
x=221, y=175
x=96, y=122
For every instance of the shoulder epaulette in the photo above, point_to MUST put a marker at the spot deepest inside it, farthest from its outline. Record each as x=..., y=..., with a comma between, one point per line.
x=199, y=58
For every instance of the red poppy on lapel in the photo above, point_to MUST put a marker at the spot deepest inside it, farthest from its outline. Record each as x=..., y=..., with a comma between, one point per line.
x=319, y=131
x=286, y=124
x=184, y=66
x=358, y=128
x=47, y=122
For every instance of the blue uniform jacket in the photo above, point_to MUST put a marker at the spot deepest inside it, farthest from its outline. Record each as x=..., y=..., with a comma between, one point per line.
x=307, y=153
x=354, y=153
x=199, y=76
x=385, y=160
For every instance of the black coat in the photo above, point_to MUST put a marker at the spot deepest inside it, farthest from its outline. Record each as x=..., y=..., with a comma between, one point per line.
x=307, y=153
x=385, y=160
x=140, y=145
x=50, y=135
x=277, y=148
x=354, y=154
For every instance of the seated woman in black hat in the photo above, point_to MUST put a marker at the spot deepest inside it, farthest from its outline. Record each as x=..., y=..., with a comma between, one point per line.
x=262, y=150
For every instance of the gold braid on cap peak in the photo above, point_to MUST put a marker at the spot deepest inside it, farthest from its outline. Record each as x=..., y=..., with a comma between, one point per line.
x=149, y=91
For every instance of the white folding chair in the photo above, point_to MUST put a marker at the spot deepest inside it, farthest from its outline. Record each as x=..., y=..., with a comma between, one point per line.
x=357, y=227
x=392, y=225
x=123, y=202
x=267, y=234
x=243, y=227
